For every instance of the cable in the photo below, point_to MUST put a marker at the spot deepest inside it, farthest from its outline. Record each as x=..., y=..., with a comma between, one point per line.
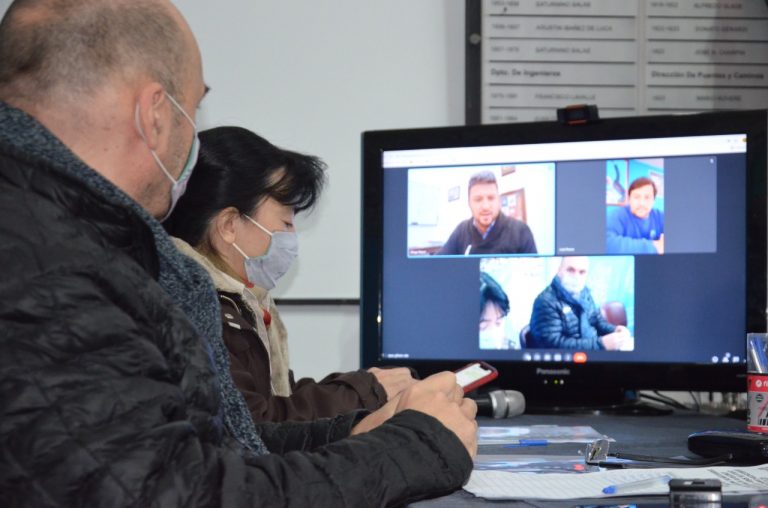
x=672, y=402
x=662, y=399
x=696, y=401
x=670, y=460
x=647, y=461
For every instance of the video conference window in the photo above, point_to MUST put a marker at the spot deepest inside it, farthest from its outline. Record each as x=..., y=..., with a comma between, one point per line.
x=482, y=210
x=635, y=206
x=578, y=303
x=644, y=206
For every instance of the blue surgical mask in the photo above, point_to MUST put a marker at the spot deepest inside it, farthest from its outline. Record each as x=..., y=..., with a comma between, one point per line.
x=178, y=186
x=264, y=271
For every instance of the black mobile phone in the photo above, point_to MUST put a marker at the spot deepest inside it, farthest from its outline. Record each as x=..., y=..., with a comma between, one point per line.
x=694, y=492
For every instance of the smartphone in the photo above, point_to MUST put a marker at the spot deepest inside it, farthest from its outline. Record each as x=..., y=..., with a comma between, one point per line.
x=474, y=375
x=704, y=492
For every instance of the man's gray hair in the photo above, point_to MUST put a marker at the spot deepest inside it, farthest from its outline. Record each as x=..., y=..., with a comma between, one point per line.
x=73, y=47
x=481, y=177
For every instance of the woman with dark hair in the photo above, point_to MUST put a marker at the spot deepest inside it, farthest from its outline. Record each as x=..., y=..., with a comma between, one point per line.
x=236, y=220
x=494, y=307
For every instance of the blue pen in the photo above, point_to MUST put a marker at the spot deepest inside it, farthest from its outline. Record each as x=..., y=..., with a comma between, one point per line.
x=757, y=354
x=528, y=442
x=621, y=488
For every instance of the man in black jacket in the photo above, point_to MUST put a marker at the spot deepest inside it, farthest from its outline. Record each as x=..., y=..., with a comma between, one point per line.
x=565, y=316
x=114, y=386
x=488, y=231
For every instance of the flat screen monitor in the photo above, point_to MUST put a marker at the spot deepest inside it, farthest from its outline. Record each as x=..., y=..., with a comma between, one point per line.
x=582, y=261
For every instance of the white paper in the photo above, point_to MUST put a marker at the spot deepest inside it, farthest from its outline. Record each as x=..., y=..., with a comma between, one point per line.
x=506, y=485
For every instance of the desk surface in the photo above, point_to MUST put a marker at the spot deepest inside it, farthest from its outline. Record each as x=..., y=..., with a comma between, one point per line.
x=648, y=435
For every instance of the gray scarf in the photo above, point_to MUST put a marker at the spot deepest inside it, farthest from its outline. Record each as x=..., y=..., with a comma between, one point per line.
x=184, y=280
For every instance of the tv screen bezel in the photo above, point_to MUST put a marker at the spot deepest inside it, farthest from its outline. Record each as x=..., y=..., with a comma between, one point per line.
x=589, y=377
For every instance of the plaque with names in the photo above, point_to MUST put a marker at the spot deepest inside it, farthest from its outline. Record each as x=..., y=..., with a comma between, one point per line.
x=628, y=57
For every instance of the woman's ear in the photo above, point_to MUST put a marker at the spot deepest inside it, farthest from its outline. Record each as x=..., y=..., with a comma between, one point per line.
x=224, y=224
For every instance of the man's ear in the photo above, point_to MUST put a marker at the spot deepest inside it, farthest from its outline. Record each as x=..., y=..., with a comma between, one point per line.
x=224, y=224
x=149, y=113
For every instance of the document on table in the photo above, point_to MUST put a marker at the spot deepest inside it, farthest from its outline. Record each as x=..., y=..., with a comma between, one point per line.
x=506, y=485
x=487, y=435
x=534, y=463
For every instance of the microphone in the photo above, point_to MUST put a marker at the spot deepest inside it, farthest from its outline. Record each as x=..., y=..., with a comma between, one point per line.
x=500, y=404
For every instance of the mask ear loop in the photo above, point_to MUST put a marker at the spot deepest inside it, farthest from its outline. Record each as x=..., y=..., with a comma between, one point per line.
x=269, y=247
x=178, y=106
x=238, y=249
x=258, y=225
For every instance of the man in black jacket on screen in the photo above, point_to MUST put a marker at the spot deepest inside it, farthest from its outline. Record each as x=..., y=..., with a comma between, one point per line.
x=114, y=386
x=489, y=230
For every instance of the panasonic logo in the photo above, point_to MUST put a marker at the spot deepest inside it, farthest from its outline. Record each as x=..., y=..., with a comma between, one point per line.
x=553, y=372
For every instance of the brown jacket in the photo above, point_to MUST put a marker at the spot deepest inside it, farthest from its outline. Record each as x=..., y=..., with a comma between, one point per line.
x=335, y=394
x=259, y=363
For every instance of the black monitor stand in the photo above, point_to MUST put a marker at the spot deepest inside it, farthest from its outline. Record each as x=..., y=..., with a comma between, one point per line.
x=612, y=401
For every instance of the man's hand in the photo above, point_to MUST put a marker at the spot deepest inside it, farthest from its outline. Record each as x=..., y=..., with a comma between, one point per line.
x=659, y=244
x=376, y=418
x=438, y=396
x=614, y=341
x=394, y=380
x=621, y=330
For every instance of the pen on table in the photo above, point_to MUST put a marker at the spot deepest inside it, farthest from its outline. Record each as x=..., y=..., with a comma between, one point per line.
x=527, y=442
x=620, y=488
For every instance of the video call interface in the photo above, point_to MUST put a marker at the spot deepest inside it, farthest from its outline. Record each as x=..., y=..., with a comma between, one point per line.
x=636, y=258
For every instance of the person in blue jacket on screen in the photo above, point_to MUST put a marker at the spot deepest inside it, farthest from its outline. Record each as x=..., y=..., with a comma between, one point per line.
x=639, y=227
x=566, y=317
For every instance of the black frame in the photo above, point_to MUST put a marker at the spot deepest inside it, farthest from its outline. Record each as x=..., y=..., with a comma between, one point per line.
x=581, y=379
x=473, y=67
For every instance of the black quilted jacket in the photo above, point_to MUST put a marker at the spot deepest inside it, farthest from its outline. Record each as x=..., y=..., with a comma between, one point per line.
x=108, y=396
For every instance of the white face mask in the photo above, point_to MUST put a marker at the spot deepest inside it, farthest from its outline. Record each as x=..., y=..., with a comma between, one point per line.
x=572, y=284
x=493, y=337
x=264, y=271
x=178, y=186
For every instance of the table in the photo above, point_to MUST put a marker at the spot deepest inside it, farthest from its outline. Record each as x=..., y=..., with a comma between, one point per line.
x=664, y=436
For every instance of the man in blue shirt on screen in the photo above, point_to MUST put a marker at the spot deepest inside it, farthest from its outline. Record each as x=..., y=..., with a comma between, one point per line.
x=488, y=231
x=639, y=227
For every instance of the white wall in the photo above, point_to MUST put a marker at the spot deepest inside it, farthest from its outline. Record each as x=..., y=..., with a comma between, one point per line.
x=311, y=75
x=322, y=339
